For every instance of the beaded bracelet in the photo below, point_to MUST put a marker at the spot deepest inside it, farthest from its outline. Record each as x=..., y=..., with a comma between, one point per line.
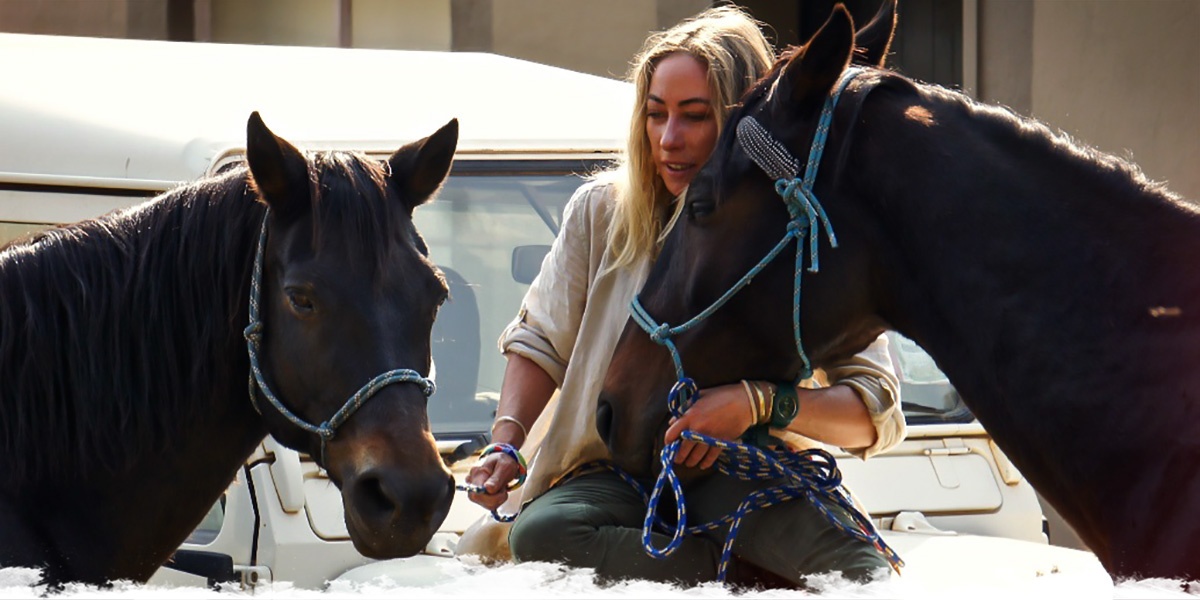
x=522, y=468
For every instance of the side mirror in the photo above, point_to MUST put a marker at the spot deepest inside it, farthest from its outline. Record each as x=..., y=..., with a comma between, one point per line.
x=527, y=262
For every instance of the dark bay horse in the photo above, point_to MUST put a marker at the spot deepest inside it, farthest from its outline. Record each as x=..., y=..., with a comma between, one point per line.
x=124, y=410
x=1051, y=282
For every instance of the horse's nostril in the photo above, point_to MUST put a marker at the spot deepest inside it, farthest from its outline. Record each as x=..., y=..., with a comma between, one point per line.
x=604, y=421
x=371, y=498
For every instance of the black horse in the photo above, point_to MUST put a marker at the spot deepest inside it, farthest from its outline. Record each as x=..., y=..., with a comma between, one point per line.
x=1049, y=281
x=124, y=411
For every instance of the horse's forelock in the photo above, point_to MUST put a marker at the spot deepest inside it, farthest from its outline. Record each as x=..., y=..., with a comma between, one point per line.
x=352, y=202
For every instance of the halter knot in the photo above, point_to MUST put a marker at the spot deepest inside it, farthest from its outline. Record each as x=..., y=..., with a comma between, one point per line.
x=428, y=387
x=325, y=432
x=253, y=332
x=661, y=333
x=786, y=187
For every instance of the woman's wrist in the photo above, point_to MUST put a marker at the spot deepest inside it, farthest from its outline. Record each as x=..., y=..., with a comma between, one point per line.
x=512, y=453
x=771, y=404
x=509, y=430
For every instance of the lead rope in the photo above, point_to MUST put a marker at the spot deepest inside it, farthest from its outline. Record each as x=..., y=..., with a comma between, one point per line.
x=811, y=474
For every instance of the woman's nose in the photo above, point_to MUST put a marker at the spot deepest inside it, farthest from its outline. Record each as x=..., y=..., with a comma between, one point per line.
x=672, y=136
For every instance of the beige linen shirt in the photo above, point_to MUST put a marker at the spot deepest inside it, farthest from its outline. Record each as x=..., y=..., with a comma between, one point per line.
x=569, y=323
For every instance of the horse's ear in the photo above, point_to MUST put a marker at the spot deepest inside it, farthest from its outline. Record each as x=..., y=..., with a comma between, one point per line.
x=874, y=40
x=419, y=168
x=279, y=171
x=811, y=74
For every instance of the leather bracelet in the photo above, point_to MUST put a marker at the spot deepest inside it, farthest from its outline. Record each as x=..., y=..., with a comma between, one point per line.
x=522, y=468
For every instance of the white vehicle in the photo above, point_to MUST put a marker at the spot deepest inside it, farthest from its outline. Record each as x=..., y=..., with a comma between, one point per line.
x=91, y=125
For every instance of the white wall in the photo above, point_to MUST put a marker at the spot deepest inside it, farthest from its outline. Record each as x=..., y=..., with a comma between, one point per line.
x=1122, y=76
x=401, y=24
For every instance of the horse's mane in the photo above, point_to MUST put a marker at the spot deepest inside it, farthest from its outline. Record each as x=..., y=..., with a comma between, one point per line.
x=1109, y=169
x=114, y=332
x=105, y=326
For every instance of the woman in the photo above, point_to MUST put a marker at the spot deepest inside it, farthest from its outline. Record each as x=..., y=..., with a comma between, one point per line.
x=686, y=78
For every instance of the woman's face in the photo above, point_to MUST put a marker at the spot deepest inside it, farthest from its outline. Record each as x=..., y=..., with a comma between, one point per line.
x=680, y=119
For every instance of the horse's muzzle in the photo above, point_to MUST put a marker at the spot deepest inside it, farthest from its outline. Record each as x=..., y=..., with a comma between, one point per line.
x=633, y=446
x=394, y=514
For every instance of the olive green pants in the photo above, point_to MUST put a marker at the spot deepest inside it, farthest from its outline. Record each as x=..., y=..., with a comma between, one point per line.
x=595, y=521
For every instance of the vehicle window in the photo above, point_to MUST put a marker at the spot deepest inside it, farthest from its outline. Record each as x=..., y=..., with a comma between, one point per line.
x=208, y=529
x=926, y=393
x=473, y=229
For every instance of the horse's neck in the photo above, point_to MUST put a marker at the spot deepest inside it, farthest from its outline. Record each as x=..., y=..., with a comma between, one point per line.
x=150, y=321
x=1019, y=263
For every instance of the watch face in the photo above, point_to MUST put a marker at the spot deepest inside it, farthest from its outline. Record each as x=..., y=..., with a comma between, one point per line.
x=786, y=406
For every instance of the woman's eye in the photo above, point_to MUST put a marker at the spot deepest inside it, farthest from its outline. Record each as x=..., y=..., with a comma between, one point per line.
x=300, y=302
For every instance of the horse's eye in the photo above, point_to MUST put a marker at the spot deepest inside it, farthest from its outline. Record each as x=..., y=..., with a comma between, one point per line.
x=299, y=301
x=698, y=209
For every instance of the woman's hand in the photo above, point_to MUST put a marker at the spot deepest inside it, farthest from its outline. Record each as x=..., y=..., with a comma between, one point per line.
x=494, y=473
x=722, y=412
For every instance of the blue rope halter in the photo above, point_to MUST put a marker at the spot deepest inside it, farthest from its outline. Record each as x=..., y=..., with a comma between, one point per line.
x=326, y=430
x=812, y=474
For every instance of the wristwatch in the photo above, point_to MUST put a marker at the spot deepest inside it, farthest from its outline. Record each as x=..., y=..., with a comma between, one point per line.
x=784, y=405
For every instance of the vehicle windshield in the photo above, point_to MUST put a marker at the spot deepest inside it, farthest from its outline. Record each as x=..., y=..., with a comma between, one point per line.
x=488, y=233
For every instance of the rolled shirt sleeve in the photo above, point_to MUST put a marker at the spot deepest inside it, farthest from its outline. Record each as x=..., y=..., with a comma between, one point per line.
x=871, y=374
x=547, y=324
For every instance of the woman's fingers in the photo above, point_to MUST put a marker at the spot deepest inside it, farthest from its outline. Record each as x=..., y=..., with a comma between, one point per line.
x=692, y=454
x=685, y=451
x=493, y=473
x=710, y=457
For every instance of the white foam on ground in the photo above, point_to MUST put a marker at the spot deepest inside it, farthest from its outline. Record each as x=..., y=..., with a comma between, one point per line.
x=540, y=580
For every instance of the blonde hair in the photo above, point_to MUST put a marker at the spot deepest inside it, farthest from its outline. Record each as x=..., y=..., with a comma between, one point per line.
x=731, y=45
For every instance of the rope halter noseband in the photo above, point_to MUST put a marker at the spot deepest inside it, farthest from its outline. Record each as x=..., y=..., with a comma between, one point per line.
x=258, y=384
x=812, y=474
